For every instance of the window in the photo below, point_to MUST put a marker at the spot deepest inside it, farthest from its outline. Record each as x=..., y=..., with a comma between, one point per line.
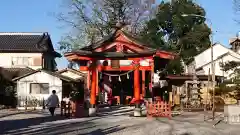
x=21, y=61
x=39, y=88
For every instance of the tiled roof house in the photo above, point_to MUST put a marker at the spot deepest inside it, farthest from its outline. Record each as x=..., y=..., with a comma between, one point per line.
x=21, y=51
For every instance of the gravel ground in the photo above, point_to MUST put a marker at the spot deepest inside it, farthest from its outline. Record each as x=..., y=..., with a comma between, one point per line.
x=116, y=122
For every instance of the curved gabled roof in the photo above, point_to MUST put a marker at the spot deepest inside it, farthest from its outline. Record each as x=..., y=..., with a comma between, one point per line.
x=65, y=78
x=130, y=47
x=112, y=36
x=115, y=55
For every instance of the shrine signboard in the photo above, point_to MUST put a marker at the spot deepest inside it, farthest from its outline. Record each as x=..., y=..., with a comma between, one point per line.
x=115, y=64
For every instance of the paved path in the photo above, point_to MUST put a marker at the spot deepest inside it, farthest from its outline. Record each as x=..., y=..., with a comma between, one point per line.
x=117, y=122
x=8, y=112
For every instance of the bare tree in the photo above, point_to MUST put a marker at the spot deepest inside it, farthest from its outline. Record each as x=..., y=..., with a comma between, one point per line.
x=93, y=20
x=236, y=5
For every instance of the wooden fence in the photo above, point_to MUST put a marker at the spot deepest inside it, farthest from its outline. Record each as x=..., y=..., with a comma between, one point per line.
x=30, y=102
x=72, y=109
x=66, y=109
x=158, y=109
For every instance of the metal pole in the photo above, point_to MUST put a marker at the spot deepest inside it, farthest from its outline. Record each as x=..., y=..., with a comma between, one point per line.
x=213, y=74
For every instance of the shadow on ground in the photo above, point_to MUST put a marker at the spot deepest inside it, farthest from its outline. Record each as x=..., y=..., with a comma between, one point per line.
x=105, y=131
x=45, y=126
x=8, y=125
x=60, y=124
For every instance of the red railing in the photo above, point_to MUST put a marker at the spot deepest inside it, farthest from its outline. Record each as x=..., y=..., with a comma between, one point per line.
x=117, y=98
x=72, y=109
x=159, y=109
x=66, y=109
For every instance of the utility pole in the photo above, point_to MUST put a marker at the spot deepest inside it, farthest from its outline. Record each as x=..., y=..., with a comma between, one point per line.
x=213, y=75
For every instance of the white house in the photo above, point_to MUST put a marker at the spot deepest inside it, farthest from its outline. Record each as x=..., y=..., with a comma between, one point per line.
x=22, y=53
x=221, y=54
x=38, y=85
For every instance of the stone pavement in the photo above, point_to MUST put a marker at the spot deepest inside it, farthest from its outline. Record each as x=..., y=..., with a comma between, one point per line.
x=117, y=122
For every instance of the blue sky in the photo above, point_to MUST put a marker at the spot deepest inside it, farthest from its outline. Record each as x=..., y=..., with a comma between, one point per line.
x=37, y=16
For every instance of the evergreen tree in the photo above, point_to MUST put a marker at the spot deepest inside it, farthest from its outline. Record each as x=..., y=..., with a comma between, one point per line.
x=232, y=66
x=234, y=78
x=185, y=35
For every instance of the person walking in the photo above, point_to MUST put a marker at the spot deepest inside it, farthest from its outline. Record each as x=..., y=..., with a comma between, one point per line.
x=52, y=102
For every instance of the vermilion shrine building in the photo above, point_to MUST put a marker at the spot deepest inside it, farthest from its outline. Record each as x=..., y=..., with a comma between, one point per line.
x=118, y=54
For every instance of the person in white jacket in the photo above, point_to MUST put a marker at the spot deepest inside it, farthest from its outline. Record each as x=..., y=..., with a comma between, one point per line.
x=52, y=102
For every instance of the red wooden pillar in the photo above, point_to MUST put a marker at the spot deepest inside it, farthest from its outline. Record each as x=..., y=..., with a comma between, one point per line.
x=151, y=62
x=88, y=76
x=97, y=88
x=93, y=84
x=136, y=83
x=88, y=79
x=143, y=83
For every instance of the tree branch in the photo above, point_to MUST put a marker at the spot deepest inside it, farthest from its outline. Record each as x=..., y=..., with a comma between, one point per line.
x=231, y=65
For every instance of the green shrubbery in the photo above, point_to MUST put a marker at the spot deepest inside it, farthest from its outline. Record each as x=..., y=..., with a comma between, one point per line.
x=8, y=96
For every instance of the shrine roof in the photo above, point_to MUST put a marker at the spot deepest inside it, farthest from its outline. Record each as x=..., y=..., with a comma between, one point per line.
x=137, y=40
x=112, y=36
x=113, y=55
x=133, y=47
x=106, y=39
